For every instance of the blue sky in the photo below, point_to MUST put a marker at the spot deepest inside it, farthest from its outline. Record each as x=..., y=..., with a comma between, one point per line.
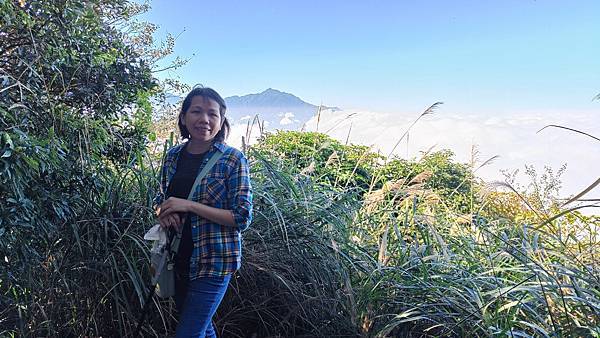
x=481, y=57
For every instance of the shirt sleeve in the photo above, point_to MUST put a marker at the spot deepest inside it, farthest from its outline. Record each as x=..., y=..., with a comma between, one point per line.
x=239, y=193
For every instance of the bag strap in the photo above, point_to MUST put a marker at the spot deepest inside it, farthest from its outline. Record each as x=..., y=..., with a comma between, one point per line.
x=174, y=247
x=211, y=162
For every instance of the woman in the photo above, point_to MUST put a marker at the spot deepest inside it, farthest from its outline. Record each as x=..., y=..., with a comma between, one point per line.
x=212, y=220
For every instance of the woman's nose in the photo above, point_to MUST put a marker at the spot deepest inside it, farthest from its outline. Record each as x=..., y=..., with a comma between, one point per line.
x=203, y=118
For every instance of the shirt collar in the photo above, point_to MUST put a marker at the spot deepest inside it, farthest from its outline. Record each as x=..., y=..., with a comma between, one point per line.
x=219, y=145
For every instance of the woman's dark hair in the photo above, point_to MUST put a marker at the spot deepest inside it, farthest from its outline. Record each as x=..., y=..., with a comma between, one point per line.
x=207, y=93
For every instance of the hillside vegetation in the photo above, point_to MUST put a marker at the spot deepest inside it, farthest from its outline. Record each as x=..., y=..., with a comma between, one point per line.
x=344, y=242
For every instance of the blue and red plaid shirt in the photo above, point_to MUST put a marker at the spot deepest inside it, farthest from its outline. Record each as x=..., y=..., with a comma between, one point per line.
x=217, y=248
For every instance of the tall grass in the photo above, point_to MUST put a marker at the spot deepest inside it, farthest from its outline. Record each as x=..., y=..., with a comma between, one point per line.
x=296, y=278
x=408, y=266
x=497, y=280
x=319, y=261
x=85, y=275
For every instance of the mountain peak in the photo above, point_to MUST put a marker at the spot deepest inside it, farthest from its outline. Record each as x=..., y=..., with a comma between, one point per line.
x=271, y=98
x=272, y=92
x=267, y=98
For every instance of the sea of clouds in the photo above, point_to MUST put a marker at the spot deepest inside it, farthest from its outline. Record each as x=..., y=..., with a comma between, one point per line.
x=513, y=138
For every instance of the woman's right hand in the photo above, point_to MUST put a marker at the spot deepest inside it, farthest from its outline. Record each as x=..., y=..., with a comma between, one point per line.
x=170, y=220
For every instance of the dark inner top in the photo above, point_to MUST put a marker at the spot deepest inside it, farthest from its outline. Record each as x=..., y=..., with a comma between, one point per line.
x=188, y=167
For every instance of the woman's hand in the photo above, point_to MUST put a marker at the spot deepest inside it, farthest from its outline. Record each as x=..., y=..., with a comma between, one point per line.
x=170, y=220
x=174, y=205
x=168, y=213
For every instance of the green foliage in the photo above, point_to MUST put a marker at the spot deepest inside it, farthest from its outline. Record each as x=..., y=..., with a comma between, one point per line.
x=322, y=157
x=353, y=166
x=432, y=273
x=74, y=107
x=452, y=181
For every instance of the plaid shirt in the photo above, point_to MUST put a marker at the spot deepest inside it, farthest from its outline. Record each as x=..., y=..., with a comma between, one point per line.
x=217, y=248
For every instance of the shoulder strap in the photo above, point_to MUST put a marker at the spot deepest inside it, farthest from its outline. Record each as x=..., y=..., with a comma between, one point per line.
x=174, y=247
x=211, y=162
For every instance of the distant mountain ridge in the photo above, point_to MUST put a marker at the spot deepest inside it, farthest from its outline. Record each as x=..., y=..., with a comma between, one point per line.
x=279, y=109
x=270, y=98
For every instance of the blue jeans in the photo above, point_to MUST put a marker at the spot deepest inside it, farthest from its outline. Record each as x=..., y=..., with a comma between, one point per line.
x=197, y=301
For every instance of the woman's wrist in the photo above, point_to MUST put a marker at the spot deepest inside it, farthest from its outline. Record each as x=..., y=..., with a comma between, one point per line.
x=194, y=208
x=189, y=207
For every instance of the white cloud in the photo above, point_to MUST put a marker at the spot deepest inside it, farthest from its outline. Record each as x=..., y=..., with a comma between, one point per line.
x=249, y=134
x=514, y=138
x=288, y=118
x=244, y=132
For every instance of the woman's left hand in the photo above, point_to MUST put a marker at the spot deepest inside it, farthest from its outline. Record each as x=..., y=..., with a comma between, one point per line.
x=174, y=204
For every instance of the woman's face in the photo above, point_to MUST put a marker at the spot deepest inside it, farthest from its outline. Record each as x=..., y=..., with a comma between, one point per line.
x=202, y=119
